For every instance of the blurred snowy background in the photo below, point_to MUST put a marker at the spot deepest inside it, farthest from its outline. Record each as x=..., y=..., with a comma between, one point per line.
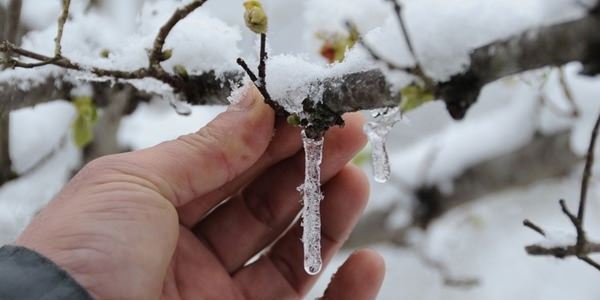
x=527, y=128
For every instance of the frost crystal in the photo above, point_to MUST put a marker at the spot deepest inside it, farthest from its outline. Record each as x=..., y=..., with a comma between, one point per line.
x=311, y=197
x=377, y=132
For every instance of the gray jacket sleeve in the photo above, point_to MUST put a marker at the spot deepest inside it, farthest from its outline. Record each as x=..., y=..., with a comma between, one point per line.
x=25, y=274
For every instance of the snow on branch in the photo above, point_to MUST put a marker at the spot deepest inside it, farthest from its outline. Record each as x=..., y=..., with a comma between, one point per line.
x=554, y=45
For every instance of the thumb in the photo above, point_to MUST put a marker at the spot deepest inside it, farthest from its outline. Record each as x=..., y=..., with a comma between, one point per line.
x=194, y=164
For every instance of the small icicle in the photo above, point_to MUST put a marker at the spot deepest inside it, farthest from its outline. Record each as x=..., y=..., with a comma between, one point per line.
x=377, y=132
x=311, y=197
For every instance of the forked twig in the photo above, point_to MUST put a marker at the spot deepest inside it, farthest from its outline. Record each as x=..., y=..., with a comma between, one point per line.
x=582, y=247
x=260, y=81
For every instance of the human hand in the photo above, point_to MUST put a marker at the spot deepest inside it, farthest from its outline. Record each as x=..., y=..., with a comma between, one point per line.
x=148, y=224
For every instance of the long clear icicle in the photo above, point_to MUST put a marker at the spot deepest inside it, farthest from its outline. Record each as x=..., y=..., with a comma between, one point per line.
x=377, y=132
x=311, y=197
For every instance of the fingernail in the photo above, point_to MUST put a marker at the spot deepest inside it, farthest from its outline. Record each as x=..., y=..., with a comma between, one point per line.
x=245, y=98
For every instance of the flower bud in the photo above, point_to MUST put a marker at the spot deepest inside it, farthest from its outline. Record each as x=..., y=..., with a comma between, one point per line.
x=255, y=16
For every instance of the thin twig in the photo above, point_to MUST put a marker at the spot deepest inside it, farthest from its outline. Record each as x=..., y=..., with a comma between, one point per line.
x=262, y=65
x=260, y=82
x=567, y=91
x=577, y=223
x=375, y=56
x=156, y=56
x=398, y=11
x=262, y=87
x=66, y=63
x=154, y=70
x=587, y=172
x=418, y=69
x=582, y=247
x=61, y=25
x=590, y=262
x=240, y=61
x=534, y=227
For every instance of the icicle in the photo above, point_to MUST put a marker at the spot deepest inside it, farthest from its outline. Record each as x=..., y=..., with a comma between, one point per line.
x=377, y=132
x=311, y=197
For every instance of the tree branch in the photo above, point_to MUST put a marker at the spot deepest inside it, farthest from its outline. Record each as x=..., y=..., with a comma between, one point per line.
x=553, y=45
x=583, y=247
x=546, y=46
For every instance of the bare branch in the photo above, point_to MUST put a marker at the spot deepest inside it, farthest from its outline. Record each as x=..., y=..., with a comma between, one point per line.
x=260, y=82
x=262, y=66
x=156, y=55
x=567, y=91
x=534, y=227
x=418, y=69
x=61, y=26
x=582, y=247
x=587, y=172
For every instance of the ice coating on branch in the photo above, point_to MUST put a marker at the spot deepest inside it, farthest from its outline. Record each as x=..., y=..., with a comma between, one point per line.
x=377, y=132
x=311, y=198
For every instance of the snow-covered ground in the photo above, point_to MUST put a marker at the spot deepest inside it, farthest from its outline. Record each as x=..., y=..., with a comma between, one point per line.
x=482, y=241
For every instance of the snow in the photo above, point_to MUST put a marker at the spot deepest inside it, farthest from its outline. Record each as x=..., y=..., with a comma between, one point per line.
x=460, y=145
x=33, y=137
x=42, y=151
x=446, y=34
x=291, y=78
x=483, y=240
x=557, y=237
x=157, y=122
